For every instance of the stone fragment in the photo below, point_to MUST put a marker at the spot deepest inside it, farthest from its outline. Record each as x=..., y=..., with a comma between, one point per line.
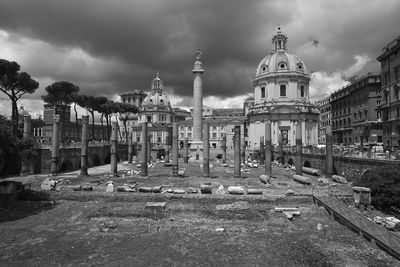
x=220, y=190
x=87, y=188
x=191, y=190
x=206, y=189
x=264, y=179
x=235, y=190
x=219, y=229
x=339, y=179
x=126, y=188
x=110, y=186
x=77, y=188
x=48, y=184
x=301, y=179
x=179, y=191
x=145, y=189
x=254, y=191
x=170, y=190
x=155, y=206
x=156, y=189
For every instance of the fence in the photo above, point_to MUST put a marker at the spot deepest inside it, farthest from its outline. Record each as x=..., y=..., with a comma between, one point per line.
x=389, y=241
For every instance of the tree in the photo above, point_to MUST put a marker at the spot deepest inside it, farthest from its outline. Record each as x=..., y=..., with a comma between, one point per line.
x=15, y=84
x=91, y=104
x=60, y=94
x=125, y=112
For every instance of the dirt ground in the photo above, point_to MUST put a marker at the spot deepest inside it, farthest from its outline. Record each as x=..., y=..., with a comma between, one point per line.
x=114, y=229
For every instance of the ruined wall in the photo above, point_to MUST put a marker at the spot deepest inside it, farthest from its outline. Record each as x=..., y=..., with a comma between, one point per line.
x=70, y=158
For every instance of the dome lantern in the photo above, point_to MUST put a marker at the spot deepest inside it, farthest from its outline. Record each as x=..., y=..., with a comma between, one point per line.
x=279, y=41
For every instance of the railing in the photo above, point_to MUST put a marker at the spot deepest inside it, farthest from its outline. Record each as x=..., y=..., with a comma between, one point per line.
x=383, y=237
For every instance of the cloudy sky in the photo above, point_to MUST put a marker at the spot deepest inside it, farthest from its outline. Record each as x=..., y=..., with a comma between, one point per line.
x=108, y=47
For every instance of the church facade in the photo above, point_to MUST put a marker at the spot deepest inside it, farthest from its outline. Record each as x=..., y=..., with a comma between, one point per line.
x=281, y=96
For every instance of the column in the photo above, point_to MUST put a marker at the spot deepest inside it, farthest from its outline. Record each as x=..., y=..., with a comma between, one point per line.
x=27, y=126
x=329, y=151
x=197, y=99
x=299, y=150
x=130, y=147
x=26, y=159
x=268, y=149
x=242, y=149
x=143, y=168
x=55, y=145
x=236, y=157
x=84, y=146
x=206, y=150
x=174, y=149
x=114, y=138
x=262, y=150
x=223, y=146
x=168, y=141
x=186, y=151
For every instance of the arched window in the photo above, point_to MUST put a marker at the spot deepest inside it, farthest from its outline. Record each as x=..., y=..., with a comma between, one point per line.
x=301, y=90
x=262, y=92
x=283, y=90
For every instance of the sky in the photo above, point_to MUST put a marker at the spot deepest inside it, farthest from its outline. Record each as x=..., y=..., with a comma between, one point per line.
x=108, y=47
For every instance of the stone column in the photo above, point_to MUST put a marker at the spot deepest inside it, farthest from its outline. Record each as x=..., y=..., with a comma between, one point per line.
x=175, y=149
x=197, y=99
x=143, y=169
x=242, y=150
x=27, y=126
x=329, y=151
x=268, y=149
x=149, y=148
x=168, y=140
x=299, y=149
x=114, y=138
x=206, y=150
x=186, y=151
x=280, y=142
x=55, y=145
x=27, y=159
x=130, y=148
x=84, y=146
x=224, y=149
x=236, y=157
x=262, y=158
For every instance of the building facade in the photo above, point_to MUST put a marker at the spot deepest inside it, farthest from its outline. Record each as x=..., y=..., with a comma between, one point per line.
x=390, y=91
x=281, y=95
x=356, y=118
x=324, y=107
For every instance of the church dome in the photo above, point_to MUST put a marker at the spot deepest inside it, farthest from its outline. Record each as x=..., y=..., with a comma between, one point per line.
x=279, y=60
x=156, y=97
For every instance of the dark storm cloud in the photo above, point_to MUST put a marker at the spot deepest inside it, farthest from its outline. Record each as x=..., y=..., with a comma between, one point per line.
x=150, y=36
x=128, y=41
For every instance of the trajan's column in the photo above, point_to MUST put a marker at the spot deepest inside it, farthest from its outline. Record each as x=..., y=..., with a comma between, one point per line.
x=196, y=147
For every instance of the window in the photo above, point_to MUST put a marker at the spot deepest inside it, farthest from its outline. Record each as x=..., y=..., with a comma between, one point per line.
x=189, y=135
x=148, y=118
x=301, y=91
x=138, y=139
x=189, y=128
x=182, y=135
x=262, y=92
x=378, y=103
x=396, y=73
x=214, y=135
x=283, y=89
x=163, y=117
x=158, y=139
x=214, y=128
x=214, y=145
